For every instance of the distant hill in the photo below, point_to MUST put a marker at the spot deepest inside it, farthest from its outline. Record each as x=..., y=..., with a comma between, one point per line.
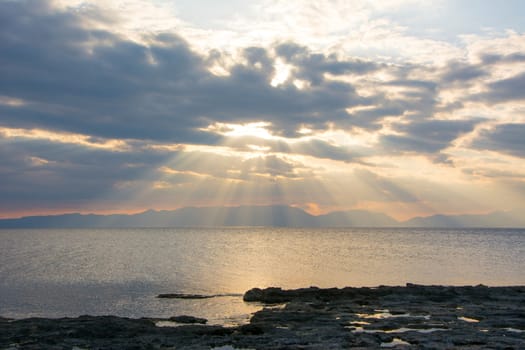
x=278, y=216
x=355, y=218
x=496, y=219
x=184, y=217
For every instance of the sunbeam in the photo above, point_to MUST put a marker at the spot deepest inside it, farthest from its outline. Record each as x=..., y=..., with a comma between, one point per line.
x=165, y=113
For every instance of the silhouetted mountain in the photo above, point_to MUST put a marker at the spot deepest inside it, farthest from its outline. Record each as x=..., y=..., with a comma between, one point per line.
x=496, y=219
x=283, y=216
x=184, y=217
x=241, y=216
x=355, y=218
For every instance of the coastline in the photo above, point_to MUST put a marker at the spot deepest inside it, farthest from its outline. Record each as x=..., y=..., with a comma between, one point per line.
x=412, y=316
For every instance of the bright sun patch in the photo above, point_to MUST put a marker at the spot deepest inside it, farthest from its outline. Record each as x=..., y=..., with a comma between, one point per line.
x=257, y=129
x=282, y=73
x=324, y=105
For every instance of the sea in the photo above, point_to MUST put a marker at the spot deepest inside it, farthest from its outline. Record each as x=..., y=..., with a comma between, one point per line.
x=73, y=272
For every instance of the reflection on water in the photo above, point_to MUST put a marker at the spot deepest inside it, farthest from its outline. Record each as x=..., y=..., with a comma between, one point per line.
x=383, y=314
x=468, y=319
x=394, y=343
x=97, y=271
x=397, y=330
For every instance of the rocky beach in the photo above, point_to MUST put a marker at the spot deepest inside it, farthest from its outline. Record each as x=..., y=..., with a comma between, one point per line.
x=408, y=317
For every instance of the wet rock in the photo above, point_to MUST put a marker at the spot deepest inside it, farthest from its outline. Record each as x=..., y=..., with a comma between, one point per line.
x=254, y=294
x=251, y=329
x=412, y=317
x=188, y=319
x=184, y=296
x=268, y=295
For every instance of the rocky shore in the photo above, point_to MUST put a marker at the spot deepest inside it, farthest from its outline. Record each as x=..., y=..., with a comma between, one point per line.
x=410, y=317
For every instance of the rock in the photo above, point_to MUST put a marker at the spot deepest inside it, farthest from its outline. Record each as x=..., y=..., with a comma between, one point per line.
x=188, y=319
x=275, y=295
x=425, y=317
x=184, y=296
x=251, y=329
x=270, y=295
x=254, y=294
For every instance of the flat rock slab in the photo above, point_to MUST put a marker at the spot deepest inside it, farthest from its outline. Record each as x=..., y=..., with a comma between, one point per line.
x=184, y=296
x=411, y=317
x=188, y=319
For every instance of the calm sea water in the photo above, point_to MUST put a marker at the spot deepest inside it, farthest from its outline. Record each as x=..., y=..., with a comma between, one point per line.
x=53, y=273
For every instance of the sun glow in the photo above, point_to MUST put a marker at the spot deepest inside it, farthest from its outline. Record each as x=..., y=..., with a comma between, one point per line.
x=256, y=129
x=282, y=73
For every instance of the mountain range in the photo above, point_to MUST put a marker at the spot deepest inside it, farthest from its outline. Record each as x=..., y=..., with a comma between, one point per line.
x=280, y=216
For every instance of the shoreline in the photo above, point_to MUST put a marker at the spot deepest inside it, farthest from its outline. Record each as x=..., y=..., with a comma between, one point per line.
x=411, y=316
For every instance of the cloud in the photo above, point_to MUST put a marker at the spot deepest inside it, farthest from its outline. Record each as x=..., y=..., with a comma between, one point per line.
x=426, y=136
x=494, y=58
x=91, y=81
x=323, y=149
x=504, y=138
x=306, y=146
x=77, y=78
x=485, y=172
x=51, y=173
x=459, y=72
x=510, y=89
x=234, y=167
x=37, y=170
x=383, y=188
x=271, y=166
x=97, y=105
x=313, y=66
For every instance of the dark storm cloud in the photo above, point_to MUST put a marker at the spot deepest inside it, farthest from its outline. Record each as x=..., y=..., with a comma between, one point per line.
x=371, y=118
x=504, y=138
x=426, y=136
x=412, y=83
x=510, y=89
x=418, y=98
x=96, y=83
x=313, y=66
x=35, y=170
x=458, y=72
x=109, y=89
x=500, y=91
x=464, y=74
x=491, y=58
x=90, y=81
x=245, y=96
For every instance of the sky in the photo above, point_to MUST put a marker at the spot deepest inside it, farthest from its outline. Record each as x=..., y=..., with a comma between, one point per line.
x=405, y=107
